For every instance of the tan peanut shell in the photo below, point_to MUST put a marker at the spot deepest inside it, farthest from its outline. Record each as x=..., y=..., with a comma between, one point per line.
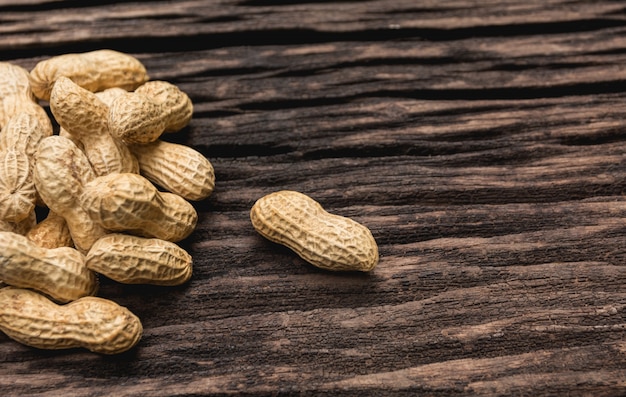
x=177, y=168
x=18, y=143
x=17, y=190
x=176, y=103
x=108, y=96
x=325, y=240
x=22, y=227
x=97, y=324
x=138, y=260
x=94, y=71
x=130, y=202
x=144, y=115
x=63, y=132
x=61, y=273
x=136, y=118
x=23, y=132
x=61, y=170
x=14, y=82
x=84, y=116
x=51, y=232
x=16, y=96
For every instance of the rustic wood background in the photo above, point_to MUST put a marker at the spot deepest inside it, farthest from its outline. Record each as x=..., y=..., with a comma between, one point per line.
x=482, y=142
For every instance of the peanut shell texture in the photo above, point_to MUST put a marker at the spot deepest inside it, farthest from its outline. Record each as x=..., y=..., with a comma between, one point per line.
x=93, y=70
x=325, y=240
x=96, y=324
x=60, y=273
x=137, y=260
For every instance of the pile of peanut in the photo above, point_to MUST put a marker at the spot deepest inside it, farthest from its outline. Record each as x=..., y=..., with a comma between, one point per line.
x=118, y=200
x=118, y=197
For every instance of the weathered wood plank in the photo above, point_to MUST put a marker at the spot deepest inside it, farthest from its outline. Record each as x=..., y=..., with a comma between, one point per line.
x=481, y=143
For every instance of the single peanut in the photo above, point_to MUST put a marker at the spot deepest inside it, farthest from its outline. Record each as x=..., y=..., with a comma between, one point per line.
x=94, y=71
x=97, y=324
x=84, y=116
x=61, y=273
x=16, y=96
x=130, y=202
x=136, y=118
x=18, y=142
x=14, y=82
x=23, y=132
x=137, y=260
x=177, y=106
x=17, y=190
x=154, y=108
x=325, y=240
x=51, y=232
x=61, y=170
x=176, y=168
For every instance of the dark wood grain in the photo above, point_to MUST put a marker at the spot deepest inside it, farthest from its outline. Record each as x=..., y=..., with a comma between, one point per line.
x=481, y=142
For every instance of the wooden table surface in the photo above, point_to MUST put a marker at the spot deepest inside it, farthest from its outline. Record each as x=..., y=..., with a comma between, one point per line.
x=483, y=143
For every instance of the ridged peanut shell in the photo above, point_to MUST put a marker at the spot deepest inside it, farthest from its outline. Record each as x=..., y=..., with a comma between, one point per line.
x=136, y=118
x=14, y=81
x=97, y=324
x=61, y=170
x=94, y=71
x=138, y=260
x=108, y=96
x=51, y=232
x=17, y=190
x=22, y=227
x=23, y=132
x=175, y=102
x=10, y=106
x=16, y=96
x=85, y=117
x=177, y=168
x=78, y=110
x=325, y=240
x=61, y=273
x=130, y=202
